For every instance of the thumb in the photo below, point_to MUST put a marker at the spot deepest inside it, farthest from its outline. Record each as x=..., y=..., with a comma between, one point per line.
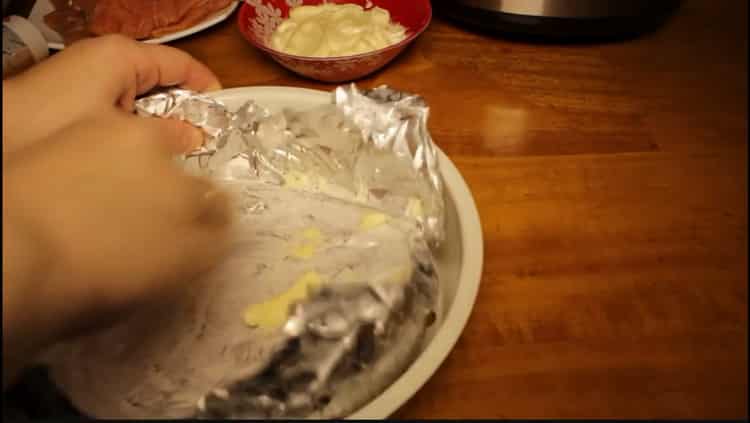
x=176, y=136
x=202, y=248
x=205, y=237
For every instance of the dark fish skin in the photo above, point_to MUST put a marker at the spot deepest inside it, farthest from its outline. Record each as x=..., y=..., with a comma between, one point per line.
x=35, y=397
x=290, y=387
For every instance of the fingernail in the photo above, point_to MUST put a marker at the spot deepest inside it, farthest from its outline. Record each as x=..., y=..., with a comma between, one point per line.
x=194, y=140
x=216, y=86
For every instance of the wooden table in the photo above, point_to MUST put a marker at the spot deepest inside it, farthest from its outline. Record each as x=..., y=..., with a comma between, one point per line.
x=611, y=183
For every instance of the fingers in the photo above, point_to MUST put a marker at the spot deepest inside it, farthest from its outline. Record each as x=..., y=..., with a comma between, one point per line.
x=204, y=237
x=167, y=66
x=211, y=206
x=88, y=78
x=204, y=216
x=135, y=68
x=203, y=246
x=172, y=136
x=177, y=136
x=162, y=66
x=195, y=215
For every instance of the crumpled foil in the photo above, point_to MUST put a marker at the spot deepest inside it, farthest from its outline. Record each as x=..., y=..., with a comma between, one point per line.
x=382, y=156
x=344, y=346
x=396, y=122
x=345, y=343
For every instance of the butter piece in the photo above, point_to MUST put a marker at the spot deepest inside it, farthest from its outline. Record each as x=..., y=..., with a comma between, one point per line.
x=313, y=235
x=273, y=313
x=297, y=180
x=313, y=238
x=304, y=251
x=372, y=220
x=414, y=208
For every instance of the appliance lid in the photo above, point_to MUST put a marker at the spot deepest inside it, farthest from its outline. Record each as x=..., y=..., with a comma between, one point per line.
x=578, y=9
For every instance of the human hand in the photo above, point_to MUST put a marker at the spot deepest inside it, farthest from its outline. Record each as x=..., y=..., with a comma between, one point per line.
x=98, y=219
x=90, y=77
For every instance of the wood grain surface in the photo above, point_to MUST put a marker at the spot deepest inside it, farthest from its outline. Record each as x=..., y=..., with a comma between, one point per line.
x=611, y=181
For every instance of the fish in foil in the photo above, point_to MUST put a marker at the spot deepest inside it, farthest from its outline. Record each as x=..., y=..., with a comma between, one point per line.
x=330, y=291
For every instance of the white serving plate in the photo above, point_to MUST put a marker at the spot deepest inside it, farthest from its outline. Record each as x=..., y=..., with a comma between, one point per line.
x=459, y=260
x=55, y=42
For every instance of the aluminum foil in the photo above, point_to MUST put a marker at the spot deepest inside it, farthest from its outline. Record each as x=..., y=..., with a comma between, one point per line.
x=345, y=345
x=380, y=154
x=327, y=355
x=366, y=153
x=396, y=122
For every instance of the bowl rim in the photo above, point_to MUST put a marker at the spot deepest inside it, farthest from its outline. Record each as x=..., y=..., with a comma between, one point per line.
x=242, y=23
x=432, y=357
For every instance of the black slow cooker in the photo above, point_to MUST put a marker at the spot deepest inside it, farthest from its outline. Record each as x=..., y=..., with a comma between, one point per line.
x=560, y=19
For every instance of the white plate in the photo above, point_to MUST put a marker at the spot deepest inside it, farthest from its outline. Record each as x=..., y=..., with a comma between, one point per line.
x=459, y=261
x=55, y=42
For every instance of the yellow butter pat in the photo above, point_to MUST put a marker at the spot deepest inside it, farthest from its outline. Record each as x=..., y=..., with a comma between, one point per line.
x=313, y=235
x=296, y=180
x=304, y=251
x=414, y=208
x=373, y=220
x=273, y=313
x=312, y=239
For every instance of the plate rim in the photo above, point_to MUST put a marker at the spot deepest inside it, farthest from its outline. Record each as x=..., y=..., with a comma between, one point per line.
x=470, y=275
x=221, y=16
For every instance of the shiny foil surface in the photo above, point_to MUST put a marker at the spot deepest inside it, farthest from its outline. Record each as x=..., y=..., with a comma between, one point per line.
x=359, y=175
x=371, y=147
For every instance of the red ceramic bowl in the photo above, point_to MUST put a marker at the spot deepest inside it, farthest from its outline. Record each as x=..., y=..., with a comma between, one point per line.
x=259, y=18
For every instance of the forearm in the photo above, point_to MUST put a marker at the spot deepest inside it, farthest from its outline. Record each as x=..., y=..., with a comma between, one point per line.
x=25, y=118
x=10, y=117
x=32, y=108
x=22, y=334
x=27, y=326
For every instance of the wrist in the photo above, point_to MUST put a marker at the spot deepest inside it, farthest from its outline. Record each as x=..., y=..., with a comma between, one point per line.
x=48, y=288
x=24, y=268
x=27, y=263
x=9, y=118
